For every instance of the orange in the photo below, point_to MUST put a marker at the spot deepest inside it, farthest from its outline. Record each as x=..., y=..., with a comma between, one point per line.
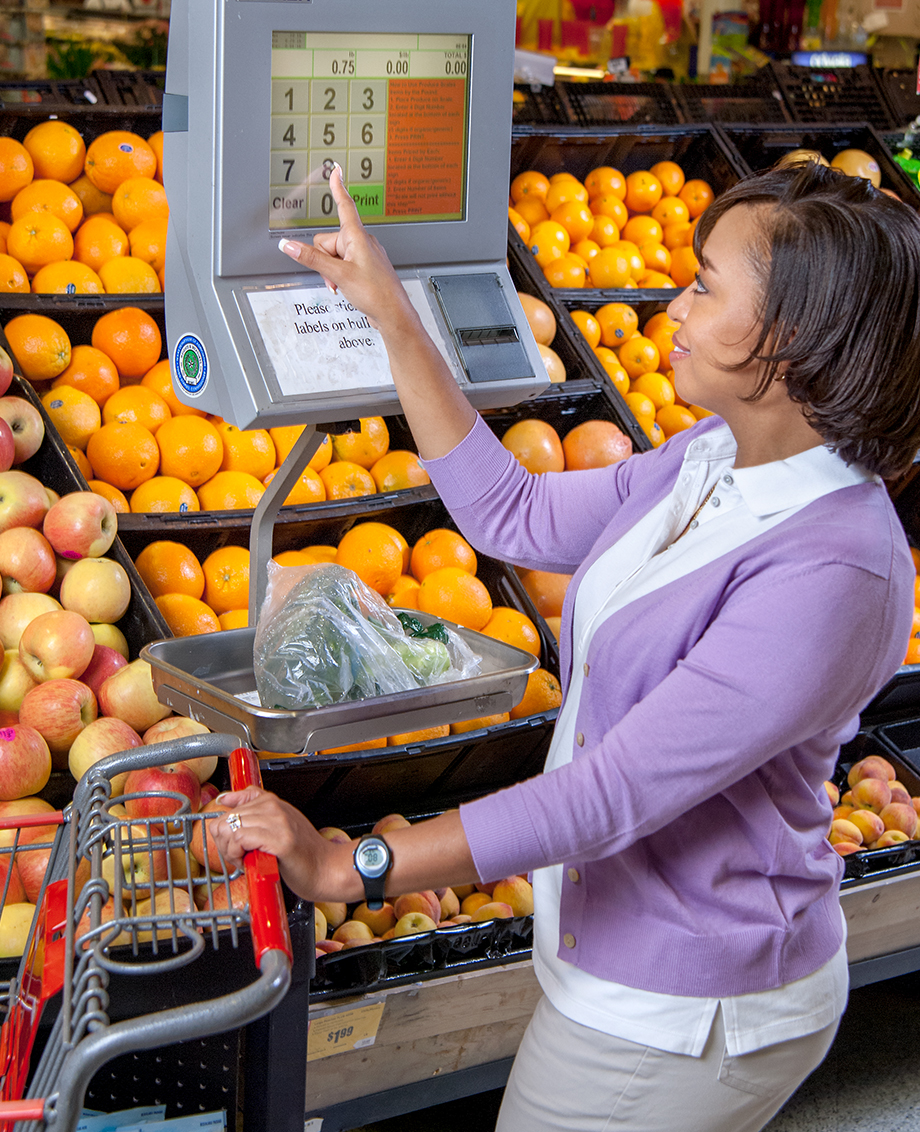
x=66, y=277
x=611, y=207
x=48, y=196
x=190, y=449
x=546, y=590
x=913, y=651
x=636, y=262
x=699, y=412
x=91, y=198
x=674, y=418
x=613, y=369
x=639, y=229
x=234, y=619
x=586, y=249
x=39, y=344
x=158, y=379
x=16, y=167
x=439, y=548
x=530, y=183
x=456, y=596
x=519, y=224
x=345, y=480
x=4, y=229
x=321, y=552
x=663, y=337
x=37, y=238
x=127, y=275
x=605, y=179
x=131, y=338
x=543, y=693
x=566, y=271
x=90, y=371
x=57, y=150
x=604, y=231
x=226, y=579
x=139, y=404
x=308, y=489
x=73, y=413
x=656, y=256
x=541, y=319
x=230, y=491
x=124, y=455
x=639, y=355
x=574, y=216
x=532, y=211
x=655, y=281
x=656, y=386
x=513, y=628
x=373, y=553
x=609, y=268
x=697, y=196
x=147, y=241
x=97, y=240
x=117, y=498
x=13, y=277
x=424, y=736
x=589, y=326
x=155, y=141
x=677, y=235
x=670, y=210
x=479, y=724
x=684, y=266
x=405, y=584
x=164, y=493
x=187, y=616
x=536, y=445
x=246, y=450
x=169, y=567
x=564, y=191
x=595, y=444
x=618, y=322
x=642, y=408
x=671, y=176
x=398, y=470
x=79, y=456
x=660, y=321
x=555, y=370
x=117, y=155
x=643, y=191
x=294, y=558
x=365, y=447
x=139, y=199
x=548, y=241
x=285, y=436
x=562, y=176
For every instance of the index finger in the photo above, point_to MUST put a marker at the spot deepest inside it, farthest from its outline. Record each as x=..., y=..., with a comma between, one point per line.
x=345, y=206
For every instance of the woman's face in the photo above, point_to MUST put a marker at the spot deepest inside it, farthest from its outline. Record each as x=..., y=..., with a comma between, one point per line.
x=719, y=319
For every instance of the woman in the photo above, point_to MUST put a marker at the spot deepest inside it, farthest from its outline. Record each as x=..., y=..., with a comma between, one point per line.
x=739, y=595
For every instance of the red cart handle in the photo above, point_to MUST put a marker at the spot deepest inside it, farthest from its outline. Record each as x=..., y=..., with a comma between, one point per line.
x=267, y=913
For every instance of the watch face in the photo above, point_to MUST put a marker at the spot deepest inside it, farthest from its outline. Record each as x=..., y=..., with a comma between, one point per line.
x=373, y=858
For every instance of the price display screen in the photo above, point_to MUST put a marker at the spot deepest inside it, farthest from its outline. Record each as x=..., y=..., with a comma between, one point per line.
x=392, y=109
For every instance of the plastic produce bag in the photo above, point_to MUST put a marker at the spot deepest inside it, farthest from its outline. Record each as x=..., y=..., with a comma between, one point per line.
x=324, y=637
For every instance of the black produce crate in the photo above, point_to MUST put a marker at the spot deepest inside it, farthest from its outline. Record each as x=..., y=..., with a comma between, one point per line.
x=877, y=864
x=756, y=100
x=50, y=95
x=132, y=88
x=759, y=147
x=89, y=119
x=899, y=698
x=617, y=103
x=900, y=91
x=833, y=94
x=534, y=104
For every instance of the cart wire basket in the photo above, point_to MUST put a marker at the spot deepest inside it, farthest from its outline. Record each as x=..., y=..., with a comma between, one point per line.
x=126, y=895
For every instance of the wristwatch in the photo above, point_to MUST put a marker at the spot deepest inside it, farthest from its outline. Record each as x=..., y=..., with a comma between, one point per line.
x=373, y=860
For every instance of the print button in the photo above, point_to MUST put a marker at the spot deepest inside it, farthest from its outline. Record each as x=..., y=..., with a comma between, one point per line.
x=574, y=876
x=569, y=940
x=580, y=739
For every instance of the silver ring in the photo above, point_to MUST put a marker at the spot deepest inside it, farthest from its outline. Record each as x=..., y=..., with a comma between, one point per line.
x=234, y=821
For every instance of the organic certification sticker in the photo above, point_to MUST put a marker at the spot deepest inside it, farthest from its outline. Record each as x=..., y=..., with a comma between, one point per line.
x=190, y=362
x=350, y=1027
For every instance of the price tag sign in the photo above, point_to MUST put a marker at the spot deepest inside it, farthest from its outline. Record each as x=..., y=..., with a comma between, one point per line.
x=336, y=1031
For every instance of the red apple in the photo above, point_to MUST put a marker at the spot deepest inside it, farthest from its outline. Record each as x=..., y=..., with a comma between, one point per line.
x=27, y=426
x=81, y=524
x=212, y=858
x=27, y=562
x=33, y=863
x=104, y=736
x=24, y=501
x=181, y=727
x=98, y=589
x=104, y=662
x=6, y=371
x=141, y=863
x=153, y=781
x=128, y=694
x=58, y=710
x=7, y=447
x=112, y=637
x=25, y=762
x=17, y=611
x=15, y=682
x=208, y=791
x=238, y=894
x=56, y=645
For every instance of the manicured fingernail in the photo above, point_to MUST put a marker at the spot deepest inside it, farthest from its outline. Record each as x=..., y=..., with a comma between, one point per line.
x=220, y=797
x=335, y=165
x=289, y=248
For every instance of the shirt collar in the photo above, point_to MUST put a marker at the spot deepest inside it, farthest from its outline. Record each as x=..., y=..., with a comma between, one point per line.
x=781, y=484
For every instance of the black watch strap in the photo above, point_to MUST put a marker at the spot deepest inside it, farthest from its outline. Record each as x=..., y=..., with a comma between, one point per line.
x=373, y=860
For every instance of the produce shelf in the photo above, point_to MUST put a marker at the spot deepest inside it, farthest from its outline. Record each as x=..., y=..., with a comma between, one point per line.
x=756, y=100
x=638, y=104
x=534, y=104
x=833, y=94
x=900, y=91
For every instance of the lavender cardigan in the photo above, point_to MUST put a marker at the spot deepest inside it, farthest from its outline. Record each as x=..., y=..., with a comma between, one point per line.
x=693, y=811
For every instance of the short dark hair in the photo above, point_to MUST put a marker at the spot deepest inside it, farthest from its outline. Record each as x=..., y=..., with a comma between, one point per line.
x=839, y=263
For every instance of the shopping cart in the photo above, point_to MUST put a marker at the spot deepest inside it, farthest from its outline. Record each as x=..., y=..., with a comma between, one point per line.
x=144, y=912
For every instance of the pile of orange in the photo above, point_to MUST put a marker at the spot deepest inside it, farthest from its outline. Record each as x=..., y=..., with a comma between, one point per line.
x=611, y=230
x=197, y=597
x=543, y=325
x=591, y=444
x=83, y=219
x=637, y=364
x=913, y=645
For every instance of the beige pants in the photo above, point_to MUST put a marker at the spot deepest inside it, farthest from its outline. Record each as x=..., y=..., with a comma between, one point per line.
x=569, y=1078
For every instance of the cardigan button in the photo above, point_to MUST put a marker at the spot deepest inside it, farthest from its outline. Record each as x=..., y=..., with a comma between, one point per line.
x=574, y=876
x=587, y=668
x=569, y=940
x=580, y=739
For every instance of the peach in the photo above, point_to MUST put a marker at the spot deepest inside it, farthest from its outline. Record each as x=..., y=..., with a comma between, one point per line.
x=335, y=913
x=391, y=821
x=842, y=811
x=516, y=893
x=425, y=902
x=319, y=924
x=462, y=918
x=494, y=910
x=845, y=848
x=471, y=903
x=843, y=830
x=390, y=934
x=450, y=904
x=871, y=794
x=846, y=799
x=915, y=802
x=333, y=833
x=890, y=837
x=380, y=921
x=874, y=766
x=352, y=929
x=350, y=943
x=898, y=816
x=488, y=887
x=412, y=923
x=464, y=890
x=832, y=792
x=869, y=824
x=325, y=946
x=900, y=793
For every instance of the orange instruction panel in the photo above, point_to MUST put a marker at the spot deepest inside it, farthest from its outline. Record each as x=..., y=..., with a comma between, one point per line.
x=392, y=109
